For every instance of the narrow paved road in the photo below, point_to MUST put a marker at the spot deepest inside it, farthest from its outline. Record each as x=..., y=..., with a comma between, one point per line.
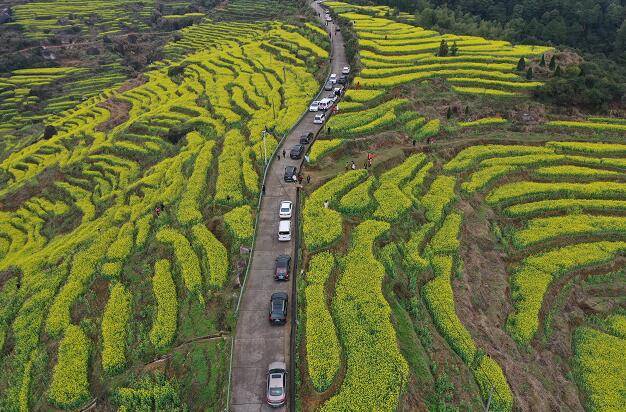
x=257, y=343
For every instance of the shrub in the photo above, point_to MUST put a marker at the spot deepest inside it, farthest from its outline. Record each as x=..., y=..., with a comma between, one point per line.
x=358, y=201
x=186, y=259
x=216, y=254
x=445, y=240
x=188, y=208
x=439, y=197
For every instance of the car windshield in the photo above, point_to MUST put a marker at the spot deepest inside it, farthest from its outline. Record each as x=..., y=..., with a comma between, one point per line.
x=276, y=391
x=277, y=305
x=284, y=209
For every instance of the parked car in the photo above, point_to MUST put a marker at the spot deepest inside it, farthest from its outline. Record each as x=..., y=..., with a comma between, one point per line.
x=320, y=118
x=328, y=18
x=297, y=151
x=306, y=138
x=278, y=308
x=345, y=70
x=332, y=97
x=314, y=106
x=329, y=85
x=283, y=265
x=284, y=231
x=333, y=78
x=284, y=211
x=290, y=172
x=276, y=384
x=343, y=79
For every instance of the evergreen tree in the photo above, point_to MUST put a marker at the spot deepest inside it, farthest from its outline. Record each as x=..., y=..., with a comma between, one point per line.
x=557, y=72
x=521, y=65
x=529, y=74
x=552, y=65
x=454, y=50
x=542, y=63
x=443, y=49
x=467, y=110
x=449, y=113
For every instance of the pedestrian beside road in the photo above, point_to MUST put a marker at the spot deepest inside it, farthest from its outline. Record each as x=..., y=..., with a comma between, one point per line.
x=263, y=189
x=413, y=142
x=353, y=165
x=308, y=179
x=284, y=154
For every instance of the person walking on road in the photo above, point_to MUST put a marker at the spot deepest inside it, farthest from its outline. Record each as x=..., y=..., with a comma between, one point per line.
x=284, y=154
x=353, y=166
x=263, y=189
x=308, y=179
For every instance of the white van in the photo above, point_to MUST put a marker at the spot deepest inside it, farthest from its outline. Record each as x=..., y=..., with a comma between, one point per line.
x=284, y=231
x=319, y=118
x=325, y=103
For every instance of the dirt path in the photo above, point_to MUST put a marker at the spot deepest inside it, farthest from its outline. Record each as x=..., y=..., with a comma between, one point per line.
x=257, y=343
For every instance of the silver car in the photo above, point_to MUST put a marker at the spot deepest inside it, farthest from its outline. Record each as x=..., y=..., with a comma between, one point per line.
x=276, y=384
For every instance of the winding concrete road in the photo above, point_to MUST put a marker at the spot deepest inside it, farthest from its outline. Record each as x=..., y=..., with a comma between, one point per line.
x=257, y=343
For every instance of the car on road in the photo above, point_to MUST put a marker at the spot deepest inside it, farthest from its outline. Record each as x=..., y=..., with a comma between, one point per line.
x=278, y=308
x=307, y=138
x=290, y=173
x=320, y=118
x=283, y=265
x=332, y=97
x=325, y=103
x=333, y=78
x=297, y=151
x=284, y=211
x=328, y=18
x=343, y=79
x=329, y=86
x=314, y=106
x=276, y=384
x=345, y=70
x=284, y=231
x=338, y=90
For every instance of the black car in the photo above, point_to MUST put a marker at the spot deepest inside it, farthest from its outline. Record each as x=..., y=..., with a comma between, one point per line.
x=343, y=79
x=290, y=173
x=329, y=86
x=283, y=265
x=278, y=308
x=307, y=138
x=296, y=151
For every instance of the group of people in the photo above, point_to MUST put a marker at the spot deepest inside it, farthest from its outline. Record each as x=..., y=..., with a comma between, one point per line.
x=368, y=163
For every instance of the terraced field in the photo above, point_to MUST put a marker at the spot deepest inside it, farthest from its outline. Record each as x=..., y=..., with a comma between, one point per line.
x=120, y=233
x=489, y=264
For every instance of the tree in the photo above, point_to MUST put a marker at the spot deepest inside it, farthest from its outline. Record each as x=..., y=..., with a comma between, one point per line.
x=467, y=110
x=521, y=65
x=454, y=50
x=557, y=72
x=542, y=63
x=529, y=74
x=49, y=131
x=443, y=49
x=449, y=113
x=552, y=65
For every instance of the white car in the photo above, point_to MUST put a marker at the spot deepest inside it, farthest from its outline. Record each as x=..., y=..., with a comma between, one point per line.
x=284, y=211
x=319, y=118
x=325, y=103
x=315, y=106
x=333, y=78
x=332, y=97
x=276, y=384
x=328, y=18
x=345, y=70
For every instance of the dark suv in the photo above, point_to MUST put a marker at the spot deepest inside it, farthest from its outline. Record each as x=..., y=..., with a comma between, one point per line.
x=343, y=79
x=306, y=138
x=290, y=172
x=296, y=151
x=278, y=308
x=283, y=264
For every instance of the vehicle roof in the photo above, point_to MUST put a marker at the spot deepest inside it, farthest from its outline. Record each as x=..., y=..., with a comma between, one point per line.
x=297, y=146
x=319, y=115
x=277, y=365
x=290, y=168
x=280, y=295
x=285, y=202
x=283, y=258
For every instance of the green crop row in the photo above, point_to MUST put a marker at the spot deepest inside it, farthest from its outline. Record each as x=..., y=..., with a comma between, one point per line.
x=186, y=259
x=608, y=127
x=70, y=386
x=323, y=147
x=215, y=253
x=322, y=226
x=604, y=149
x=365, y=121
x=164, y=325
x=445, y=240
x=362, y=95
x=518, y=192
x=240, y=224
x=228, y=187
x=188, y=208
x=472, y=155
x=575, y=172
x=322, y=346
x=114, y=328
x=548, y=228
x=439, y=196
x=531, y=279
x=600, y=369
x=376, y=373
x=483, y=177
x=526, y=210
x=483, y=122
x=359, y=200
